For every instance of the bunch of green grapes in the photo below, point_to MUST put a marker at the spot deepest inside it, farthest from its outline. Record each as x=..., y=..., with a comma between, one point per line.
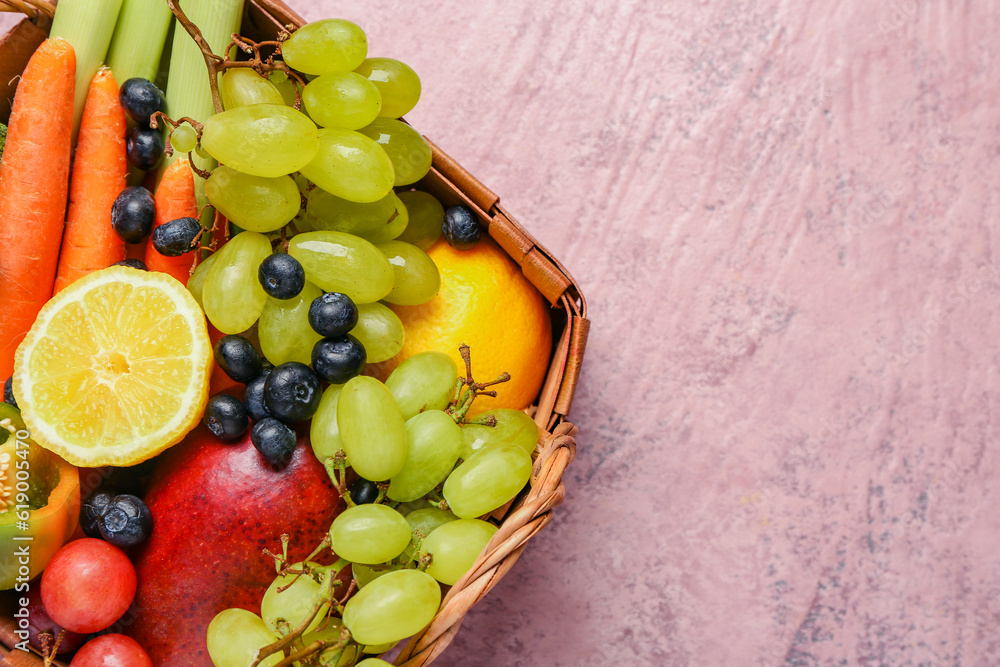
x=318, y=184
x=326, y=216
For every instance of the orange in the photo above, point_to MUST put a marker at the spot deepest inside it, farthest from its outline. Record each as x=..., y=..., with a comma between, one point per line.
x=487, y=303
x=115, y=369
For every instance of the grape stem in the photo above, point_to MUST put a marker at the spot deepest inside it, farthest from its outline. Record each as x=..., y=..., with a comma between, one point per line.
x=50, y=649
x=336, y=468
x=262, y=65
x=218, y=64
x=463, y=399
x=282, y=560
x=310, y=650
x=325, y=599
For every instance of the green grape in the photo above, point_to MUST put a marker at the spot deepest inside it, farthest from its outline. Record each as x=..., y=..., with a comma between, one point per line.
x=393, y=227
x=433, y=443
x=408, y=508
x=392, y=607
x=241, y=86
x=376, y=662
x=371, y=430
x=261, y=140
x=365, y=574
x=330, y=633
x=426, y=218
x=512, y=426
x=417, y=278
x=398, y=83
x=284, y=85
x=324, y=435
x=235, y=635
x=377, y=649
x=487, y=479
x=380, y=331
x=422, y=523
x=232, y=296
x=339, y=262
x=284, y=330
x=184, y=138
x=255, y=203
x=321, y=47
x=196, y=283
x=425, y=381
x=409, y=152
x=350, y=165
x=454, y=548
x=331, y=213
x=294, y=603
x=369, y=534
x=342, y=99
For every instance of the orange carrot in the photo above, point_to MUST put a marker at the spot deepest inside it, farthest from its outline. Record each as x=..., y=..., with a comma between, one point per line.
x=34, y=181
x=99, y=169
x=175, y=198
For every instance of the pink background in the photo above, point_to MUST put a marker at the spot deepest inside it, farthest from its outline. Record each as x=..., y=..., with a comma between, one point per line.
x=783, y=216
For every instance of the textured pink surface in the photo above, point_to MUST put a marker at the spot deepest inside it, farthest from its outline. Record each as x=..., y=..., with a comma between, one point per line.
x=782, y=214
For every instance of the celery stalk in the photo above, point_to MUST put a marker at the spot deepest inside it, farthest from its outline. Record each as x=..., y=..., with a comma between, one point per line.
x=140, y=35
x=188, y=90
x=87, y=25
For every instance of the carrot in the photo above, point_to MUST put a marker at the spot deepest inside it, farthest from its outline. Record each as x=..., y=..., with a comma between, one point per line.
x=34, y=183
x=175, y=198
x=99, y=169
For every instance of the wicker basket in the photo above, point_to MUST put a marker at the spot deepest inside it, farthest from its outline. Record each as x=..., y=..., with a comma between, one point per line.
x=452, y=184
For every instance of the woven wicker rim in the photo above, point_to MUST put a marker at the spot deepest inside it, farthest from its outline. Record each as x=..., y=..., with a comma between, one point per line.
x=452, y=184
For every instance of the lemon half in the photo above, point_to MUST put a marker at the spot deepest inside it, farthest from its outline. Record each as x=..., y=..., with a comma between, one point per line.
x=115, y=368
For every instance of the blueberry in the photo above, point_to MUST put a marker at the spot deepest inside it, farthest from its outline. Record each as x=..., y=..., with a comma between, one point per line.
x=144, y=147
x=461, y=227
x=281, y=276
x=253, y=397
x=8, y=392
x=141, y=99
x=274, y=441
x=364, y=492
x=133, y=213
x=226, y=417
x=238, y=358
x=337, y=360
x=174, y=238
x=133, y=264
x=333, y=314
x=292, y=392
x=126, y=521
x=91, y=510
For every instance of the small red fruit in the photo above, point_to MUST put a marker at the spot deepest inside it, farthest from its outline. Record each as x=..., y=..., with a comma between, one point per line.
x=111, y=651
x=88, y=585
